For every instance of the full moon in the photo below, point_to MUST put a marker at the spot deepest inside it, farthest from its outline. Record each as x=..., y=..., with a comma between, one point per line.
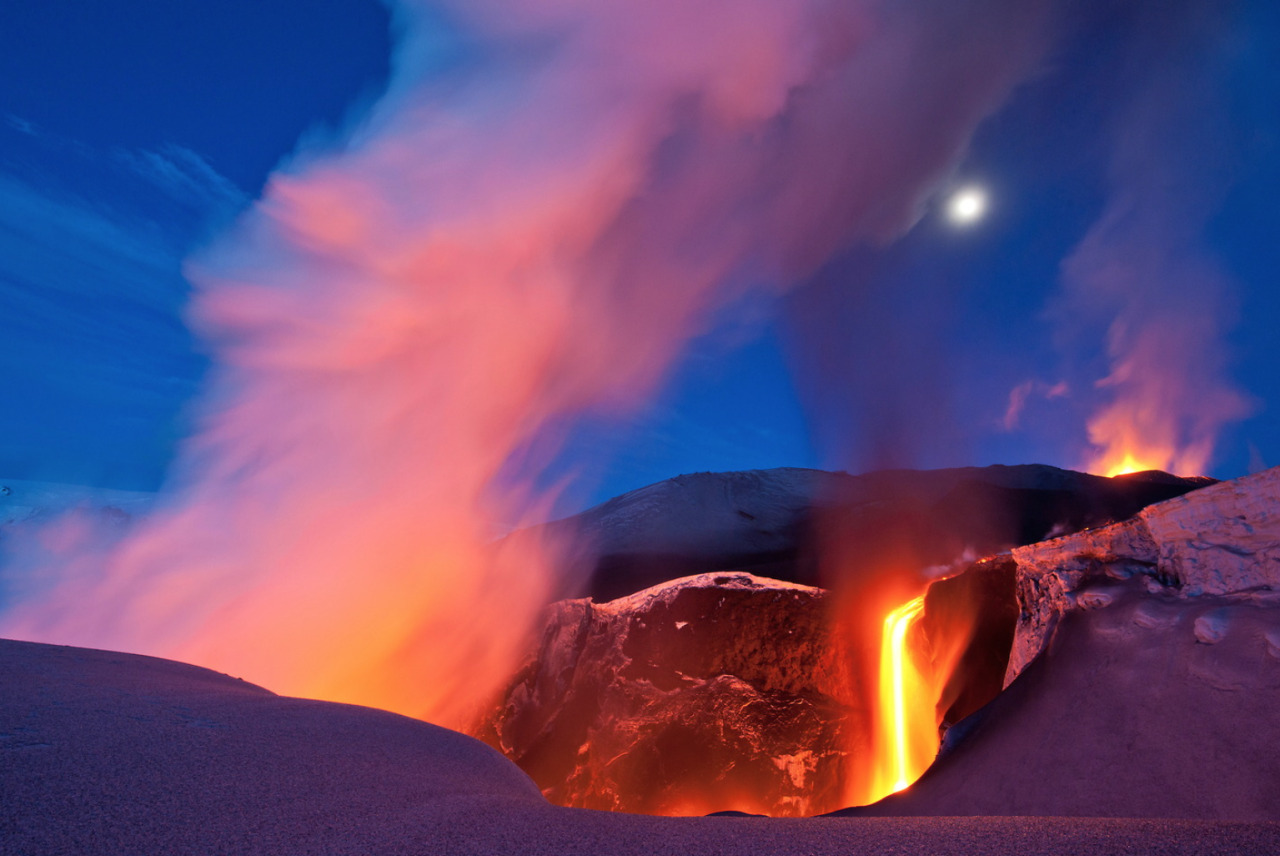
x=967, y=206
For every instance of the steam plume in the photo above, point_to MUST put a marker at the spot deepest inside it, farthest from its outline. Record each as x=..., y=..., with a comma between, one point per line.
x=492, y=252
x=1144, y=263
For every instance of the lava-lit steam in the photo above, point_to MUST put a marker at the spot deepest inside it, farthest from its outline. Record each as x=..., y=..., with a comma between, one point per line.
x=532, y=235
x=1144, y=262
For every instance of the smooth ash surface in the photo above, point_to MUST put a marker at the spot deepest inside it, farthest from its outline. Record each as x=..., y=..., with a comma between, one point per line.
x=104, y=753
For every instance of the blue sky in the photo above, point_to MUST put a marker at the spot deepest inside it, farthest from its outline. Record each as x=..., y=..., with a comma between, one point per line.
x=129, y=140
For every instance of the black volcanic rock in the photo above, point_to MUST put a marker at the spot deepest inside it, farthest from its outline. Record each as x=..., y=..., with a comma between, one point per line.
x=773, y=522
x=713, y=692
x=981, y=606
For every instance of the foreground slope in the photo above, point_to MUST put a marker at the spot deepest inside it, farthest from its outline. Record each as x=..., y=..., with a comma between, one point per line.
x=114, y=754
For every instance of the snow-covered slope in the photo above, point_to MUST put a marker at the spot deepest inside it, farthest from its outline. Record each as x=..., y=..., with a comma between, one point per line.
x=768, y=521
x=104, y=754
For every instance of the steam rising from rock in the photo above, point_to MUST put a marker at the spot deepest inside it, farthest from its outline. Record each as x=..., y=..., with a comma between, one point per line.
x=490, y=253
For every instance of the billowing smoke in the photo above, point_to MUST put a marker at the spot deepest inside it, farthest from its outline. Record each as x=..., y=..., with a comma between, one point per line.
x=530, y=236
x=1144, y=269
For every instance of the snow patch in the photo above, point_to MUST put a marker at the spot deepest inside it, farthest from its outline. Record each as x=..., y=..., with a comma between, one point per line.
x=1221, y=540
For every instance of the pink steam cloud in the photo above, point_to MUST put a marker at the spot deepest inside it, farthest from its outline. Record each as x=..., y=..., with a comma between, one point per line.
x=1144, y=269
x=487, y=255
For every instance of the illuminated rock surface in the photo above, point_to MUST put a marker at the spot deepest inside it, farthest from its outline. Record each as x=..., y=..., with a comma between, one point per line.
x=718, y=691
x=713, y=692
x=1218, y=540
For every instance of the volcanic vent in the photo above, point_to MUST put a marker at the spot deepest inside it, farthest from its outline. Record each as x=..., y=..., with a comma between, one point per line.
x=727, y=690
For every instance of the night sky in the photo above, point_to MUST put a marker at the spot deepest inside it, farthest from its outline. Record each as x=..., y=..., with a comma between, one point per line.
x=1131, y=176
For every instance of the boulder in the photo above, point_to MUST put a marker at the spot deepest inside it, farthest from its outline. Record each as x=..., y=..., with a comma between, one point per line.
x=707, y=693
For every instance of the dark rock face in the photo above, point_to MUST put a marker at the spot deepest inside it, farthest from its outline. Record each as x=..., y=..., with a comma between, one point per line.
x=981, y=606
x=715, y=692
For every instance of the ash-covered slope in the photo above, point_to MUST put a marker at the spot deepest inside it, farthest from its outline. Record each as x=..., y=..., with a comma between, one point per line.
x=768, y=522
x=105, y=754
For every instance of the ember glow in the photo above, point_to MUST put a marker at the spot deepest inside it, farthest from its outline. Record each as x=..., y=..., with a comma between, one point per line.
x=1144, y=271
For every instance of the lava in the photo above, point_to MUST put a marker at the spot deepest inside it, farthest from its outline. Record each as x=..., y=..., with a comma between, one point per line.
x=892, y=685
x=906, y=731
x=1127, y=464
x=1133, y=456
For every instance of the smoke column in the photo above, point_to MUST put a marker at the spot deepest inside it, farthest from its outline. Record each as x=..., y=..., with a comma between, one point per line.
x=532, y=236
x=1143, y=268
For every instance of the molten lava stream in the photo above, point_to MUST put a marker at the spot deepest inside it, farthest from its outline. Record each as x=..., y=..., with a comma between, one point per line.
x=907, y=728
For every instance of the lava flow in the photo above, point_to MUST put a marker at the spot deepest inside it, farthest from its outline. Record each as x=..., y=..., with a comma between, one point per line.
x=906, y=730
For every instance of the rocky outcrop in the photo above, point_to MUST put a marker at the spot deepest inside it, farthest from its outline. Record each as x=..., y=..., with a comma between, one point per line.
x=714, y=692
x=978, y=611
x=1219, y=540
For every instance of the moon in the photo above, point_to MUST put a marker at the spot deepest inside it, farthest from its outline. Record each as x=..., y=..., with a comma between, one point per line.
x=967, y=206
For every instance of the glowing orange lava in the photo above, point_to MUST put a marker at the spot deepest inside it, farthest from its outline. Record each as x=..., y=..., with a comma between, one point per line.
x=907, y=727
x=1120, y=463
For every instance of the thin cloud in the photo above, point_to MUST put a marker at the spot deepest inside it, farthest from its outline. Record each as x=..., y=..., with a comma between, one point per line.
x=1023, y=393
x=185, y=176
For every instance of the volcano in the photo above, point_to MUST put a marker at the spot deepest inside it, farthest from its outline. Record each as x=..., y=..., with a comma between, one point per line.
x=733, y=690
x=1128, y=670
x=768, y=522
